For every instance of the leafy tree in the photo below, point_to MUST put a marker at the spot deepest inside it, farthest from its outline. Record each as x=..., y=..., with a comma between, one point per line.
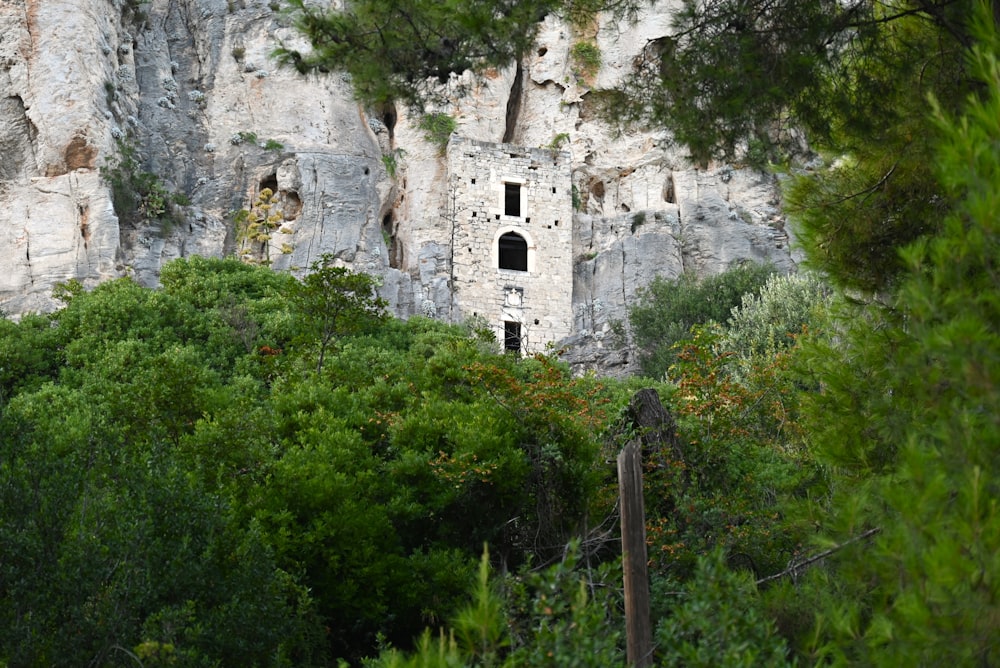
x=667, y=309
x=29, y=354
x=333, y=301
x=768, y=322
x=740, y=460
x=108, y=545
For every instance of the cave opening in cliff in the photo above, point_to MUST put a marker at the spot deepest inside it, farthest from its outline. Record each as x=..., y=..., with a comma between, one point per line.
x=389, y=236
x=270, y=182
x=291, y=204
x=389, y=118
x=669, y=194
x=513, y=105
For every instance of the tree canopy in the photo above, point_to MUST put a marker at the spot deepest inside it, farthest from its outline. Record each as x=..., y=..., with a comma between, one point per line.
x=244, y=468
x=738, y=80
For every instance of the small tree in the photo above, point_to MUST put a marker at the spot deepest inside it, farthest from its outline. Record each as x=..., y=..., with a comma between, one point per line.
x=665, y=311
x=909, y=416
x=333, y=301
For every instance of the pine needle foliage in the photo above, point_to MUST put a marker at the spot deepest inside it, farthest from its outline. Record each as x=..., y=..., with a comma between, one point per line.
x=917, y=439
x=400, y=50
x=752, y=80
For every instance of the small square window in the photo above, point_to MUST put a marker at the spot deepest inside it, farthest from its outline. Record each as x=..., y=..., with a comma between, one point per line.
x=512, y=199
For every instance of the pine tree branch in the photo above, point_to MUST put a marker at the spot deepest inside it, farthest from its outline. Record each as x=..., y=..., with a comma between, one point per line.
x=797, y=566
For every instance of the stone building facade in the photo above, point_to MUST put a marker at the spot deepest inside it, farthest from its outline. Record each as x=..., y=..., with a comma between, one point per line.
x=512, y=240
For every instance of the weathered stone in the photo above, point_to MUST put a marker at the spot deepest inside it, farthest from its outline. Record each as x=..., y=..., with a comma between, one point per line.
x=191, y=85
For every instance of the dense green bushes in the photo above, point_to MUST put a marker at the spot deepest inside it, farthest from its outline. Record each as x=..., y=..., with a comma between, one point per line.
x=667, y=309
x=217, y=473
x=247, y=469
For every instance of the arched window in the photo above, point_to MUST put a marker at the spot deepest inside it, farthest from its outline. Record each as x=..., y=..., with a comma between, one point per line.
x=513, y=252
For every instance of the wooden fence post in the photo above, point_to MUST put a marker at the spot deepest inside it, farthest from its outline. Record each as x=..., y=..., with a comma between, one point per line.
x=638, y=633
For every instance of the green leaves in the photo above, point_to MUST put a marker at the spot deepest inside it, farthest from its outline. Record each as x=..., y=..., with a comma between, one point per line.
x=400, y=50
x=716, y=621
x=438, y=129
x=332, y=301
x=922, y=425
x=667, y=309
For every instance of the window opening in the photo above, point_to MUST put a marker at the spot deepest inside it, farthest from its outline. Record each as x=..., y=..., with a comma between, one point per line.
x=512, y=199
x=512, y=336
x=513, y=252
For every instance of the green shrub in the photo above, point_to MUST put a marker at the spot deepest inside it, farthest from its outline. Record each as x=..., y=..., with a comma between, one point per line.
x=137, y=195
x=392, y=161
x=559, y=140
x=717, y=623
x=438, y=128
x=586, y=56
x=668, y=308
x=767, y=322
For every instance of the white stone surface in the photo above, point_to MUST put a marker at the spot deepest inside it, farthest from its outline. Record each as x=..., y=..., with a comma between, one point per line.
x=538, y=298
x=192, y=85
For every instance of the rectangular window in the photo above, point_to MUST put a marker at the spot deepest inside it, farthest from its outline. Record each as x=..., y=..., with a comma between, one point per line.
x=512, y=199
x=512, y=336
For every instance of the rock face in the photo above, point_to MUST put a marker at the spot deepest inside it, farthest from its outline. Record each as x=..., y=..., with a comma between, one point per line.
x=189, y=87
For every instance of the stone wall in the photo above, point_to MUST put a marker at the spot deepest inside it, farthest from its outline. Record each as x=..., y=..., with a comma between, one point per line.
x=538, y=300
x=189, y=85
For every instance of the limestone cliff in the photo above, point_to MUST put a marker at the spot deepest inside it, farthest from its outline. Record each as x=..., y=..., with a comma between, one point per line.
x=190, y=85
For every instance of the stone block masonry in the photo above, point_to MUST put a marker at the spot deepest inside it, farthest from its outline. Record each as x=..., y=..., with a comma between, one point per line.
x=512, y=240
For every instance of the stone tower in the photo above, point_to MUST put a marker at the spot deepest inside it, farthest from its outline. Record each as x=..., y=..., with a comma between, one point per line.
x=511, y=210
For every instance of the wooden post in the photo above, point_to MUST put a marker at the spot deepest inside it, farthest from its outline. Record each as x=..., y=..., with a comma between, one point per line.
x=638, y=633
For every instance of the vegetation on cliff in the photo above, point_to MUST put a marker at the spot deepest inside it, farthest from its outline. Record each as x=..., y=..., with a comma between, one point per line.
x=240, y=468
